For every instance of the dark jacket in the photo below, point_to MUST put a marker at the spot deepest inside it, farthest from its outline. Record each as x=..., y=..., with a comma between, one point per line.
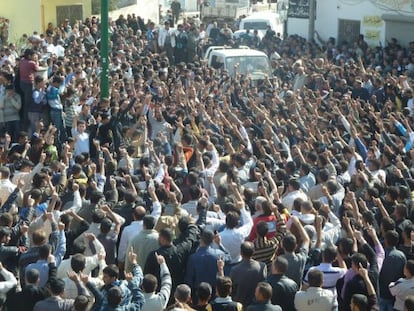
x=202, y=265
x=30, y=294
x=392, y=269
x=31, y=256
x=260, y=306
x=71, y=236
x=176, y=257
x=284, y=290
x=251, y=270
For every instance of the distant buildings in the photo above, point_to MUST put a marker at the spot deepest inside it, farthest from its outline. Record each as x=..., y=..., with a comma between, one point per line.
x=378, y=21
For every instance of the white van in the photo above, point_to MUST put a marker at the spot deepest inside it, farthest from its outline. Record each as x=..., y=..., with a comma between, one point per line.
x=261, y=20
x=252, y=63
x=220, y=47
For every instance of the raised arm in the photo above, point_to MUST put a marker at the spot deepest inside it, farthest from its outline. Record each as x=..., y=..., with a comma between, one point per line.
x=166, y=281
x=302, y=232
x=114, y=218
x=9, y=282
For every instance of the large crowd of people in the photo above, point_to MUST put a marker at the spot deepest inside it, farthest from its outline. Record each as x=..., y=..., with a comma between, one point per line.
x=190, y=189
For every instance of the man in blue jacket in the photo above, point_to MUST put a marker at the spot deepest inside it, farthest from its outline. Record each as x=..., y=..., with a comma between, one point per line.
x=202, y=265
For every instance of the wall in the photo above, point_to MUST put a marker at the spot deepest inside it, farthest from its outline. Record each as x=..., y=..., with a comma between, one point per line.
x=297, y=26
x=22, y=20
x=399, y=27
x=144, y=8
x=372, y=26
x=49, y=9
x=189, y=5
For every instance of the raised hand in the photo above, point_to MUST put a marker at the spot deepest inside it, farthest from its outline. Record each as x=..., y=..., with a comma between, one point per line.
x=132, y=256
x=362, y=272
x=73, y=276
x=160, y=259
x=129, y=276
x=90, y=237
x=220, y=264
x=84, y=278
x=61, y=226
x=51, y=258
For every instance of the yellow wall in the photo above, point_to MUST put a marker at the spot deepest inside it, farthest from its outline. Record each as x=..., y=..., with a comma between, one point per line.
x=49, y=9
x=27, y=16
x=24, y=16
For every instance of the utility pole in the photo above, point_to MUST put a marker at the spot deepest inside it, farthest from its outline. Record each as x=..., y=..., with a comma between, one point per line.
x=104, y=49
x=312, y=16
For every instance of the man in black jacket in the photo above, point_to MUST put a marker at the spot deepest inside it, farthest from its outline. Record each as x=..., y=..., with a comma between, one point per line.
x=32, y=292
x=72, y=234
x=284, y=289
x=175, y=254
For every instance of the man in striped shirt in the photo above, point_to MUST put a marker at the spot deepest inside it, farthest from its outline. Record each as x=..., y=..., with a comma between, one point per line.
x=264, y=249
x=330, y=274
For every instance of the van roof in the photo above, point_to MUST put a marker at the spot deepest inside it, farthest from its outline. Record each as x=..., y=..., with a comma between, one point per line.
x=238, y=52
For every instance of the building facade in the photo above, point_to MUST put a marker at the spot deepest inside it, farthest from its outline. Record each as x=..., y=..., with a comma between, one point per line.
x=377, y=20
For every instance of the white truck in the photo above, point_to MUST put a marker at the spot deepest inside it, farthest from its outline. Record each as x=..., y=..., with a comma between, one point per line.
x=224, y=11
x=248, y=62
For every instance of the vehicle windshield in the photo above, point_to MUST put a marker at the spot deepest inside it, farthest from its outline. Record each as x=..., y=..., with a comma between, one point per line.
x=249, y=65
x=254, y=25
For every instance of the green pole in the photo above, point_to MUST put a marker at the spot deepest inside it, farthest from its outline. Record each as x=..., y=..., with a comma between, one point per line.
x=104, y=49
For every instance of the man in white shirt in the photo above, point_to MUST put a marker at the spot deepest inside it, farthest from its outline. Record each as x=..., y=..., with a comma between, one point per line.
x=130, y=231
x=403, y=287
x=91, y=262
x=234, y=235
x=166, y=40
x=78, y=265
x=191, y=206
x=6, y=186
x=80, y=135
x=27, y=171
x=315, y=298
x=294, y=192
x=408, y=92
x=306, y=179
x=352, y=157
x=9, y=280
x=157, y=301
x=59, y=49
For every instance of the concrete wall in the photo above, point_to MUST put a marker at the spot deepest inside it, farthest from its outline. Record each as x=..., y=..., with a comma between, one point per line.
x=24, y=16
x=144, y=8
